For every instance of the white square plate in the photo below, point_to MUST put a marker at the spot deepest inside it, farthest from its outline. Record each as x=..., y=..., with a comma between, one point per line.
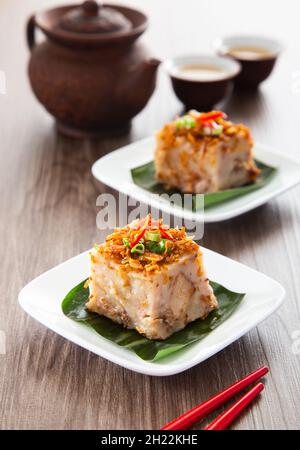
x=42, y=299
x=114, y=170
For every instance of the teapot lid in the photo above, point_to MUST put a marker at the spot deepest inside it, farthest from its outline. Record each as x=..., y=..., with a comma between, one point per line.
x=91, y=25
x=93, y=17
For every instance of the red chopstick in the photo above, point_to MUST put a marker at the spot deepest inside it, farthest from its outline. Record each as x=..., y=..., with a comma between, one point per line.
x=226, y=418
x=189, y=418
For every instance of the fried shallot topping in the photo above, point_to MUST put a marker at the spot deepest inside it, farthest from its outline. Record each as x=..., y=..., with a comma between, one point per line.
x=198, y=127
x=146, y=244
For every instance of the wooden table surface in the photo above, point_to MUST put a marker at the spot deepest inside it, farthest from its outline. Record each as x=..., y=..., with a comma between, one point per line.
x=48, y=214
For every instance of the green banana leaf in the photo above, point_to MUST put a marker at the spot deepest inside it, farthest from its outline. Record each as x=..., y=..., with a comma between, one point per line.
x=144, y=177
x=73, y=306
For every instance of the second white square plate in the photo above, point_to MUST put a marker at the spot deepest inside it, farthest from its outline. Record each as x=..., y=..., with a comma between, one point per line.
x=114, y=170
x=42, y=299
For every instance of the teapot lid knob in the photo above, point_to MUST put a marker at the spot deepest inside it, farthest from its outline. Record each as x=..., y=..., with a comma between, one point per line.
x=91, y=7
x=94, y=17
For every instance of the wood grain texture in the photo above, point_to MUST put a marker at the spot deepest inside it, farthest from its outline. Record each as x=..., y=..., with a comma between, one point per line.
x=48, y=214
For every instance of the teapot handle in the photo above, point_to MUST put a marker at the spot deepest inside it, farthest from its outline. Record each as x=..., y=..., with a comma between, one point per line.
x=30, y=31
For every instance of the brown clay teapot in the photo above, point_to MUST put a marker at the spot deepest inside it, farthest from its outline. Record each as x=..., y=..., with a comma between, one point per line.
x=90, y=73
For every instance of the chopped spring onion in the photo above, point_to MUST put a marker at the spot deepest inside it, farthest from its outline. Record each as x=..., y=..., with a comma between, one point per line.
x=153, y=236
x=216, y=131
x=186, y=122
x=157, y=247
x=138, y=248
x=126, y=242
x=212, y=128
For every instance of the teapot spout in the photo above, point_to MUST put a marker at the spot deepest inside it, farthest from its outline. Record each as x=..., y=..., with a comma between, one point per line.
x=135, y=89
x=151, y=65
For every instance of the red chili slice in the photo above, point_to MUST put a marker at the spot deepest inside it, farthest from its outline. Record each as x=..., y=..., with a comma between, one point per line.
x=208, y=124
x=142, y=232
x=210, y=116
x=166, y=235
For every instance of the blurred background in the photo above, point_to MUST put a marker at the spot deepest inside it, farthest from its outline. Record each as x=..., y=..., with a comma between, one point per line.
x=175, y=28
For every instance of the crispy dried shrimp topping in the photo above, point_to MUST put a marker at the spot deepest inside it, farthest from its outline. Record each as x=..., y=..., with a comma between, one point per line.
x=146, y=244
